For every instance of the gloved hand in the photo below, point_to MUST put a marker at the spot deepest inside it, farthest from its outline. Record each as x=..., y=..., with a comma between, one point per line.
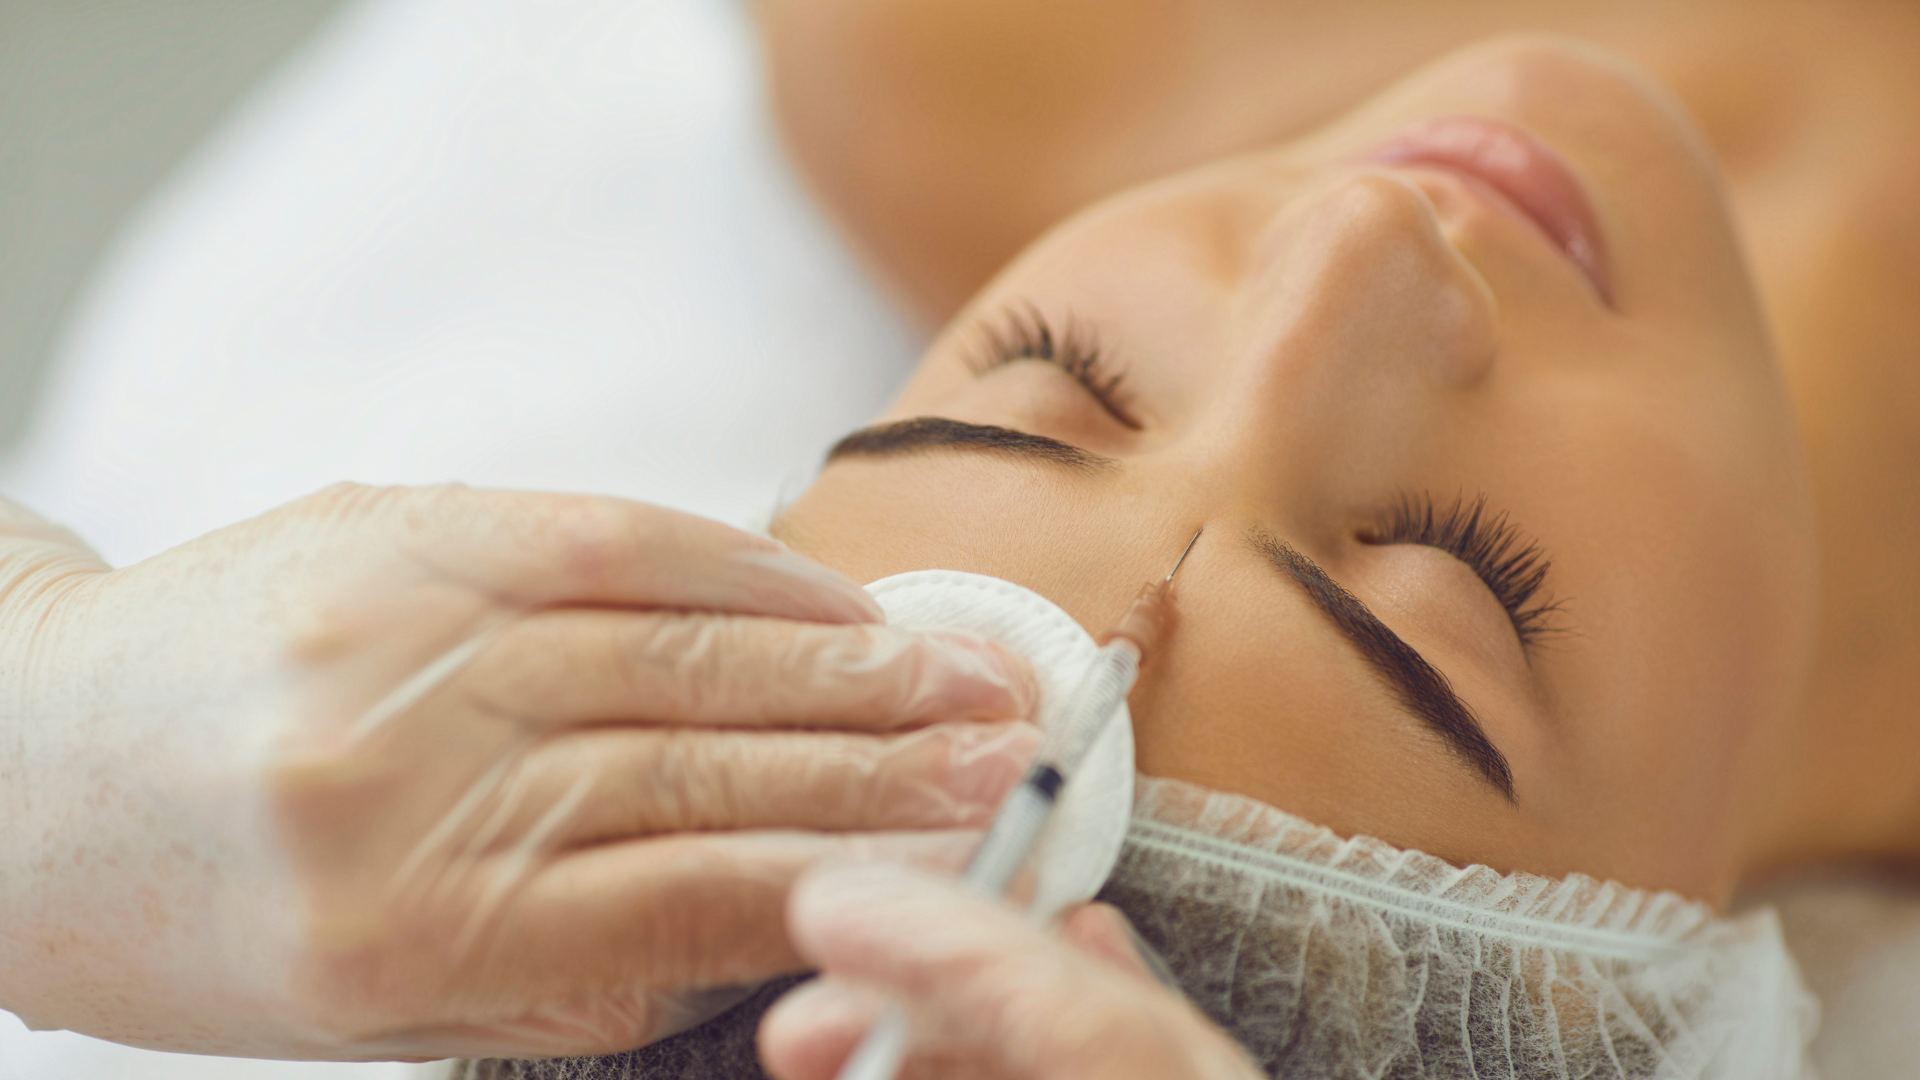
x=989, y=993
x=425, y=772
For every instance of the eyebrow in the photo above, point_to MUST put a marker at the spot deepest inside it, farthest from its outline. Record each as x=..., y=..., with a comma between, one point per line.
x=926, y=432
x=1419, y=686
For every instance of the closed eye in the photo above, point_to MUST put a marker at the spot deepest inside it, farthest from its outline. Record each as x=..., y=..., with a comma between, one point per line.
x=1513, y=565
x=1023, y=333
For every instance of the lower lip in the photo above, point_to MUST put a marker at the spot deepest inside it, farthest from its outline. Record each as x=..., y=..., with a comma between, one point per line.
x=1519, y=167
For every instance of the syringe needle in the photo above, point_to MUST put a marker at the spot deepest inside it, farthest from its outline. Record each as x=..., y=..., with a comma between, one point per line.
x=1146, y=618
x=1183, y=554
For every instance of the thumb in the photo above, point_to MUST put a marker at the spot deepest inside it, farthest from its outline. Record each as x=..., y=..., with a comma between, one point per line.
x=988, y=991
x=1103, y=931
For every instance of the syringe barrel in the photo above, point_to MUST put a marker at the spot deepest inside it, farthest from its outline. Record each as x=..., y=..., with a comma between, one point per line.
x=1101, y=692
x=1024, y=812
x=1017, y=825
x=1011, y=836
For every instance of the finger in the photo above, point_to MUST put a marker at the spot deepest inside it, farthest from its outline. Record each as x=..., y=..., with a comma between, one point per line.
x=534, y=548
x=812, y=1030
x=672, y=913
x=1103, y=932
x=572, y=666
x=874, y=924
x=985, y=985
x=647, y=781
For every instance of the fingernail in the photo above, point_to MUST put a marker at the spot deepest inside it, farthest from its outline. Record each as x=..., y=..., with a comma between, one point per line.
x=1022, y=683
x=976, y=678
x=985, y=763
x=825, y=1004
x=846, y=598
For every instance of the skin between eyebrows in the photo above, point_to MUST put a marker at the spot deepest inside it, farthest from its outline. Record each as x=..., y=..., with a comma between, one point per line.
x=1417, y=685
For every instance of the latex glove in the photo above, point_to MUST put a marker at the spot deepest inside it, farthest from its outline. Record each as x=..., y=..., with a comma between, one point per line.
x=990, y=994
x=426, y=772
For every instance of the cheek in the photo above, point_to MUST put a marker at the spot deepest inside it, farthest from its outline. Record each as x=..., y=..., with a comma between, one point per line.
x=1681, y=653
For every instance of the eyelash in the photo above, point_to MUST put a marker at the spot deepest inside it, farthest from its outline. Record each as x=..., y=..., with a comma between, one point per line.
x=1512, y=565
x=1025, y=334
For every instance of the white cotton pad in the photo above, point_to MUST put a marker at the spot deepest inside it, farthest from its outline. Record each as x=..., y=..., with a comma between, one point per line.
x=1078, y=849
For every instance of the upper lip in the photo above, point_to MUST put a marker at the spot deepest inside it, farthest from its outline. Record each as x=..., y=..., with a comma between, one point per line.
x=1522, y=169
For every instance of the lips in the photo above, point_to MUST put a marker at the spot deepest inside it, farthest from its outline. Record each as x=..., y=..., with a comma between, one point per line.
x=1520, y=169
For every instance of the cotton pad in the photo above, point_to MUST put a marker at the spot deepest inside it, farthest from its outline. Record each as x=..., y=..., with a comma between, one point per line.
x=1089, y=825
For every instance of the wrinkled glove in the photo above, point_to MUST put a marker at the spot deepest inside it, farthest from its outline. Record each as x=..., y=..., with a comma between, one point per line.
x=427, y=772
x=989, y=994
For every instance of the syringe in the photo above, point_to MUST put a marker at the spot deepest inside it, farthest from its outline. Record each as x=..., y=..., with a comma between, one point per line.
x=1027, y=808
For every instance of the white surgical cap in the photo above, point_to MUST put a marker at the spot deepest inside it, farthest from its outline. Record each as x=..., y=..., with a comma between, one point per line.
x=1350, y=958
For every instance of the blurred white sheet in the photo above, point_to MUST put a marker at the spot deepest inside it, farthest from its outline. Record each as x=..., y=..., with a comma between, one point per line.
x=530, y=243
x=1857, y=939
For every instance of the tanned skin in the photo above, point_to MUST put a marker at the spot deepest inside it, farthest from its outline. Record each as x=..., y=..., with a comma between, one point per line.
x=944, y=136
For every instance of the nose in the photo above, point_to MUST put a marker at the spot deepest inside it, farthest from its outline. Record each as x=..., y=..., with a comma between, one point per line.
x=1358, y=287
x=1358, y=336
x=1358, y=281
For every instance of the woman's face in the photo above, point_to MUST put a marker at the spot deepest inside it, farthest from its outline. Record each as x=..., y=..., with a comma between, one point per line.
x=1510, y=280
